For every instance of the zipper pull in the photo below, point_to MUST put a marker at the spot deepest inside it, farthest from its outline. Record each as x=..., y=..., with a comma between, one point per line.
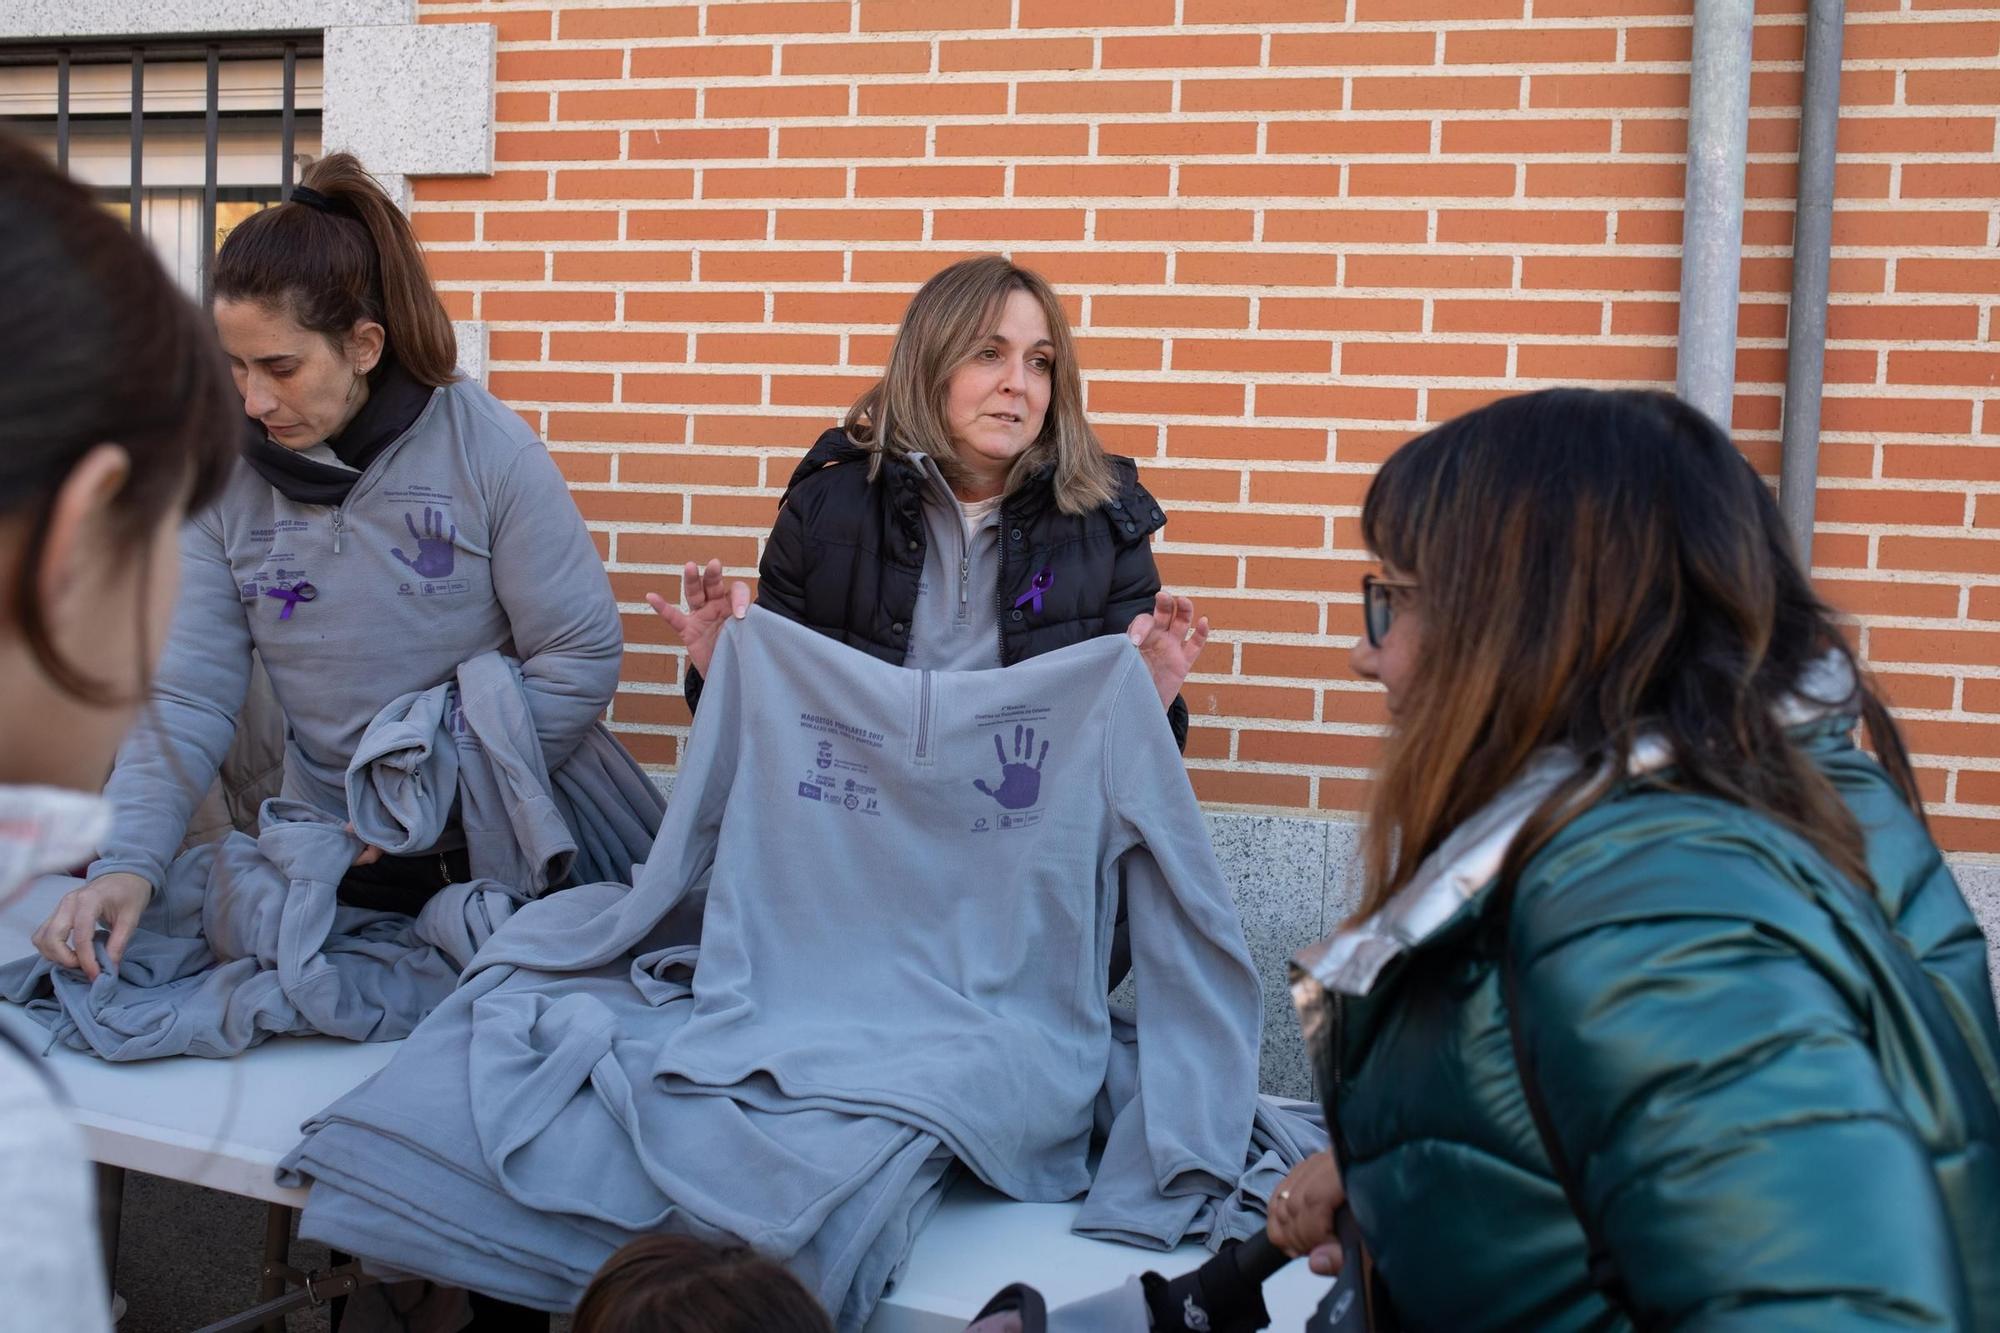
x=336, y=531
x=964, y=577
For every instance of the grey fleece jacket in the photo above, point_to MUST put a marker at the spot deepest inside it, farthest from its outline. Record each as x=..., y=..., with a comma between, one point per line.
x=460, y=538
x=949, y=845
x=876, y=921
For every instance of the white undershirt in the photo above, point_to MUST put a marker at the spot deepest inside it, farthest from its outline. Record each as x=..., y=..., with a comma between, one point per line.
x=323, y=453
x=976, y=512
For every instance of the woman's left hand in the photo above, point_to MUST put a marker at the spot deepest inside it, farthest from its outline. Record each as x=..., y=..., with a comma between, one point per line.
x=1170, y=639
x=1300, y=1218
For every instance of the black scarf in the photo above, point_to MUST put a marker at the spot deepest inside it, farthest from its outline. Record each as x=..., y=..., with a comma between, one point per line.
x=395, y=401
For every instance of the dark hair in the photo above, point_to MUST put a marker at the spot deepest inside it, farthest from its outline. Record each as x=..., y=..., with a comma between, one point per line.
x=677, y=1284
x=331, y=267
x=97, y=346
x=1594, y=567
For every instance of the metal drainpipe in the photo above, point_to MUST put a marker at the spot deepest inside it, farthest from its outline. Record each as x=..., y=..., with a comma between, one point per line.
x=1812, y=243
x=1712, y=234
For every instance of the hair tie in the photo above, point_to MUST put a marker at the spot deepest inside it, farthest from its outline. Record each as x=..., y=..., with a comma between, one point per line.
x=311, y=198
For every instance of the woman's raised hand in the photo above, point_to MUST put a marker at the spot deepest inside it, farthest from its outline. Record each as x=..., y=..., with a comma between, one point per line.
x=708, y=605
x=1170, y=639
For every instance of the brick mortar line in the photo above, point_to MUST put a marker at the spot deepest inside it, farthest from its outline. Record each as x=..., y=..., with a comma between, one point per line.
x=1224, y=378
x=1199, y=119
x=1580, y=295
x=1764, y=22
x=1104, y=203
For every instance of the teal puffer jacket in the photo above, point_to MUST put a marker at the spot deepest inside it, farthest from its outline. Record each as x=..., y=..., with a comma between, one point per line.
x=1780, y=1095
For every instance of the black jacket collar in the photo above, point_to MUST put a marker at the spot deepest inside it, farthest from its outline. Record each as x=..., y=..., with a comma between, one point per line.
x=905, y=485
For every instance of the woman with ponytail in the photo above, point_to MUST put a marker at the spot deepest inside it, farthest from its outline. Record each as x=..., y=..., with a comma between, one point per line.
x=1661, y=1008
x=388, y=520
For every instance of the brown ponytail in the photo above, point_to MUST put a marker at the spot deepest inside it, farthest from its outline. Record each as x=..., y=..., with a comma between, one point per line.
x=334, y=264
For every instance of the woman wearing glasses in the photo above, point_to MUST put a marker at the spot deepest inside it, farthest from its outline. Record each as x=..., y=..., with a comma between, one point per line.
x=1661, y=1007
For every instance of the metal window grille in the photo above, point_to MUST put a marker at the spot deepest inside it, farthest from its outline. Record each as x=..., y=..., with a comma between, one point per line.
x=186, y=137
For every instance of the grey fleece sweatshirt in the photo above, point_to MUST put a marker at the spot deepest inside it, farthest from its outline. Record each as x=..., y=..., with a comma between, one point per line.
x=949, y=845
x=876, y=920
x=956, y=626
x=459, y=539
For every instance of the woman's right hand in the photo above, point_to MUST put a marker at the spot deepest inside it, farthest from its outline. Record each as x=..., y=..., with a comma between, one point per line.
x=707, y=607
x=115, y=899
x=1300, y=1219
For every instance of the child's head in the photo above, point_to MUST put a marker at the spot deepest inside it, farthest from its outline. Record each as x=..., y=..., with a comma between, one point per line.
x=115, y=417
x=677, y=1284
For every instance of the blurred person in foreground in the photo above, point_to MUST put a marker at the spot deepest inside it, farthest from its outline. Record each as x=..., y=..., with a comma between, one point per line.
x=116, y=416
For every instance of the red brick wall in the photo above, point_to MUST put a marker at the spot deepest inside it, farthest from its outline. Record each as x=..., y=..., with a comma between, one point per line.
x=1290, y=233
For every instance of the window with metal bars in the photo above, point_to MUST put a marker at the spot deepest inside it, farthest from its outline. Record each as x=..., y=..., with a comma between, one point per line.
x=185, y=138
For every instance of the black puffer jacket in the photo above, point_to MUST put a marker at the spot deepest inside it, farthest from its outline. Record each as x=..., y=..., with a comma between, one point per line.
x=846, y=555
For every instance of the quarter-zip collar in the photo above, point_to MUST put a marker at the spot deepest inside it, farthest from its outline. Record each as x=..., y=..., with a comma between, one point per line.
x=954, y=624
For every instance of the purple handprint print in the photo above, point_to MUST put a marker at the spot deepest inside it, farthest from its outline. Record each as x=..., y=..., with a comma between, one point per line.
x=1020, y=784
x=435, y=552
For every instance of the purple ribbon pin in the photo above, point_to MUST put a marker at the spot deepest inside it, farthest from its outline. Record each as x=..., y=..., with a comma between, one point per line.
x=292, y=596
x=1044, y=579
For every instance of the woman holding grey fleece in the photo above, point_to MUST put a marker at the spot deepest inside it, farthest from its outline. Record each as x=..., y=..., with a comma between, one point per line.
x=387, y=522
x=964, y=515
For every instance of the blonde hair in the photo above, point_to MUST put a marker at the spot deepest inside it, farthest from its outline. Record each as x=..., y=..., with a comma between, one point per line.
x=948, y=320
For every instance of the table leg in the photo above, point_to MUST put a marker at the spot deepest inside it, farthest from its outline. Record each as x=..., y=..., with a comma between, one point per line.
x=277, y=1259
x=110, y=1213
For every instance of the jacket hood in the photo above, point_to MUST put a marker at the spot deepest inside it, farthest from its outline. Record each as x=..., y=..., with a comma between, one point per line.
x=1350, y=960
x=1133, y=512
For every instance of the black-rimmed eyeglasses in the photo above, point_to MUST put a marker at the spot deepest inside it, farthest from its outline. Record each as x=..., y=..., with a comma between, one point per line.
x=1378, y=605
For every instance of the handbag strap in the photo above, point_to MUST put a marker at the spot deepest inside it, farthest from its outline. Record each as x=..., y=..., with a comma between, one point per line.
x=1601, y=1268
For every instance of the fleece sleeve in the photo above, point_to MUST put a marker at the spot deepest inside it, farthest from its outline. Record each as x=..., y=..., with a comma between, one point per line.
x=168, y=762
x=1199, y=1002
x=558, y=601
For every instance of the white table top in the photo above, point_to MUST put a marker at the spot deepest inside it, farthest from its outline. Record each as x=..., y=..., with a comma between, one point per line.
x=225, y=1124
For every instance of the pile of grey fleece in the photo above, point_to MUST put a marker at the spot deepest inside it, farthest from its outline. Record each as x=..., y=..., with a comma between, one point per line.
x=866, y=953
x=245, y=939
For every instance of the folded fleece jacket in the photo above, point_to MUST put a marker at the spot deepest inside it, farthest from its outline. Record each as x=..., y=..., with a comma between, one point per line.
x=875, y=921
x=245, y=939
